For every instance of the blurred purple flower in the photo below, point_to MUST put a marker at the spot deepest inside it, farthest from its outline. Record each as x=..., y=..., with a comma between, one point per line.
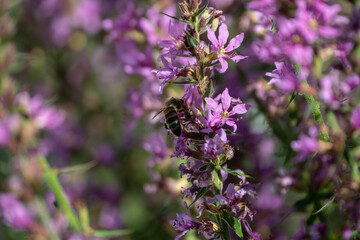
x=335, y=90
x=218, y=45
x=45, y=117
x=105, y=154
x=306, y=145
x=355, y=118
x=167, y=73
x=156, y=146
x=155, y=24
x=284, y=77
x=15, y=213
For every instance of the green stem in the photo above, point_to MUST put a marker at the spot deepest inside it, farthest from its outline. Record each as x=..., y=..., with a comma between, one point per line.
x=45, y=218
x=315, y=108
x=52, y=180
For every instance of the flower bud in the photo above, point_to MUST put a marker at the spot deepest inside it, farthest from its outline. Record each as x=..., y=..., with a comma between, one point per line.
x=215, y=24
x=185, y=10
x=202, y=25
x=194, y=5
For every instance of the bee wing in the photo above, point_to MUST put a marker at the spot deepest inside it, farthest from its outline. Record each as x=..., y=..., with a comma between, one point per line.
x=158, y=113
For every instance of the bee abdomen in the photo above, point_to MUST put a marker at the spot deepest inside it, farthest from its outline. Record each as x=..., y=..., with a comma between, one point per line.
x=172, y=121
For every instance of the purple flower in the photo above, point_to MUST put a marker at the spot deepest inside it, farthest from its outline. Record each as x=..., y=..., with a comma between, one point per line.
x=212, y=147
x=219, y=113
x=45, y=117
x=184, y=223
x=168, y=72
x=252, y=235
x=306, y=146
x=176, y=32
x=355, y=119
x=218, y=45
x=334, y=90
x=15, y=213
x=156, y=146
x=155, y=22
x=284, y=77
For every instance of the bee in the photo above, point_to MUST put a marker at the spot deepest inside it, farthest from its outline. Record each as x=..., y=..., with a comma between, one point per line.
x=172, y=121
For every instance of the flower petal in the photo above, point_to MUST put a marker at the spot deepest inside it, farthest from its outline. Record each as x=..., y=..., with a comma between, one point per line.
x=211, y=36
x=222, y=134
x=225, y=99
x=211, y=103
x=235, y=42
x=166, y=44
x=223, y=35
x=181, y=235
x=224, y=65
x=237, y=58
x=231, y=123
x=239, y=109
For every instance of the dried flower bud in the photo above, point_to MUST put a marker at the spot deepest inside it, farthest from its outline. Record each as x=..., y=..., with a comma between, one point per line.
x=202, y=25
x=185, y=10
x=7, y=55
x=194, y=5
x=215, y=24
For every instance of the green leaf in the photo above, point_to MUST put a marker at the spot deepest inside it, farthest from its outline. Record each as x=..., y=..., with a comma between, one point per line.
x=193, y=41
x=212, y=64
x=201, y=10
x=201, y=193
x=237, y=228
x=81, y=168
x=331, y=200
x=228, y=132
x=203, y=168
x=234, y=224
x=182, y=55
x=111, y=233
x=183, y=82
x=175, y=18
x=233, y=172
x=292, y=98
x=51, y=178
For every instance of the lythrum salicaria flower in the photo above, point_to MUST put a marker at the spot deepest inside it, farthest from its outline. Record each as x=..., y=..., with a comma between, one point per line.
x=14, y=212
x=218, y=45
x=306, y=145
x=168, y=72
x=219, y=112
x=355, y=118
x=284, y=77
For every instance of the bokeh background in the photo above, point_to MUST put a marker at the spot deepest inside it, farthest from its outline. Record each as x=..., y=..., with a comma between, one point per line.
x=77, y=87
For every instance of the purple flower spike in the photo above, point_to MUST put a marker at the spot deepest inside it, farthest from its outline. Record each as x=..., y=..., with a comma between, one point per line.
x=218, y=45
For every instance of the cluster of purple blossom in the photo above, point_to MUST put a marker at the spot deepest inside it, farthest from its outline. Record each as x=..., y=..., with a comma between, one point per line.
x=313, y=46
x=300, y=140
x=203, y=141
